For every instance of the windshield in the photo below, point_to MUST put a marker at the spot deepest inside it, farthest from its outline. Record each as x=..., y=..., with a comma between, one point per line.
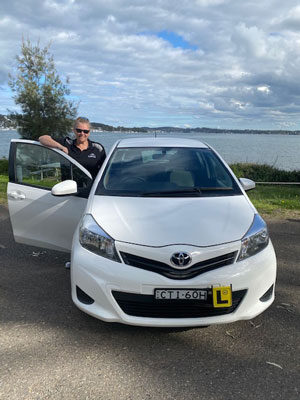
x=166, y=172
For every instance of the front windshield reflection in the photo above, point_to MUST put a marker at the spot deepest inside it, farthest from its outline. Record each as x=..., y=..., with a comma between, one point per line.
x=171, y=172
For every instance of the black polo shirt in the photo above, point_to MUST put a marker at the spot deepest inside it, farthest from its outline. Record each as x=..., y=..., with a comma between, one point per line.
x=92, y=158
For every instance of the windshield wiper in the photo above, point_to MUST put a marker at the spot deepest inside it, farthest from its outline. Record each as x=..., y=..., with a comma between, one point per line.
x=194, y=190
x=213, y=189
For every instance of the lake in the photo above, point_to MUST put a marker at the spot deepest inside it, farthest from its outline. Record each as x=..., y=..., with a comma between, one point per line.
x=280, y=151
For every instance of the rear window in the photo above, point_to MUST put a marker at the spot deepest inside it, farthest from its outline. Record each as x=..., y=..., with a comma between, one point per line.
x=170, y=172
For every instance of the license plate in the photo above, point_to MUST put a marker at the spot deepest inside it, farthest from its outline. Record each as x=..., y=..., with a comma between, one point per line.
x=219, y=296
x=180, y=294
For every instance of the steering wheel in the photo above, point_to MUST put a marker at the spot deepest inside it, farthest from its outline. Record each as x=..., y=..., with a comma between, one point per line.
x=133, y=179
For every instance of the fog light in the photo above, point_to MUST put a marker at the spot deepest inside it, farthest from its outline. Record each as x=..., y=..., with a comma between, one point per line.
x=83, y=297
x=268, y=294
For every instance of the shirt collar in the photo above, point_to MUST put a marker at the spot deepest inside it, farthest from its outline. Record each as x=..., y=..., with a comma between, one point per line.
x=76, y=148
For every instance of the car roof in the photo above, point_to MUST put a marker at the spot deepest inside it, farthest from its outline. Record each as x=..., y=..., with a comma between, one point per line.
x=160, y=142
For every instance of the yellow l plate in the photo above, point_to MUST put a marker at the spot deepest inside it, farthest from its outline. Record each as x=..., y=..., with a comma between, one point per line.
x=222, y=296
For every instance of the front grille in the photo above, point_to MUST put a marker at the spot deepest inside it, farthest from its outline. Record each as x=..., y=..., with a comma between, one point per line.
x=169, y=272
x=140, y=305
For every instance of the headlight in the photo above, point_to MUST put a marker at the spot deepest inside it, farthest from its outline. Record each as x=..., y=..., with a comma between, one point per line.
x=94, y=239
x=255, y=240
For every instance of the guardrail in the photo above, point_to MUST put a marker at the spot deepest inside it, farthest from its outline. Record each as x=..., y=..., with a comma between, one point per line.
x=277, y=183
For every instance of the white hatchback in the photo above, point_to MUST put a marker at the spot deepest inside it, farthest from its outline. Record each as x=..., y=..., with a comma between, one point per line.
x=164, y=236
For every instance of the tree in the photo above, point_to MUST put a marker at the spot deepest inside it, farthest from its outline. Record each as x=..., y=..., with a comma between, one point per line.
x=41, y=94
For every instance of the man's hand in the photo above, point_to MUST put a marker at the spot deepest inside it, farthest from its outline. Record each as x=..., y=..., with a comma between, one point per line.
x=64, y=149
x=47, y=140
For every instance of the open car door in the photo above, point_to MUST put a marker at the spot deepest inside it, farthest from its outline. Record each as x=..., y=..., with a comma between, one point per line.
x=39, y=218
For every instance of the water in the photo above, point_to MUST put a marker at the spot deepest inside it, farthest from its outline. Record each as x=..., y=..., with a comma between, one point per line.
x=280, y=151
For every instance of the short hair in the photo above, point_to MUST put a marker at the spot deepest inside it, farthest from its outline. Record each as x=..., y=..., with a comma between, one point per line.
x=82, y=120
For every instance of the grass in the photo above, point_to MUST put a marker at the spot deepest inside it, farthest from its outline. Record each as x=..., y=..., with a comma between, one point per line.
x=271, y=201
x=3, y=186
x=3, y=180
x=276, y=201
x=45, y=183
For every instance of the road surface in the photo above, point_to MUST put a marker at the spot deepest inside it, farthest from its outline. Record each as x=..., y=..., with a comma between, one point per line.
x=51, y=350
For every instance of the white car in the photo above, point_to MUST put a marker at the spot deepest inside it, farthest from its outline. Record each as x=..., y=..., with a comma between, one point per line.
x=165, y=236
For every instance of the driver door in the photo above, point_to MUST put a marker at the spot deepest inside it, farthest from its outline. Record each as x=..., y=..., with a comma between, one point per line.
x=39, y=218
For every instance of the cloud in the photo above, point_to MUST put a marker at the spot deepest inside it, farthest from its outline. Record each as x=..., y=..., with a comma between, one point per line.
x=290, y=20
x=196, y=62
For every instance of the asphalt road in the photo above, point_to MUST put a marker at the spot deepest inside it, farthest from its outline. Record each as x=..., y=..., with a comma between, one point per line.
x=51, y=350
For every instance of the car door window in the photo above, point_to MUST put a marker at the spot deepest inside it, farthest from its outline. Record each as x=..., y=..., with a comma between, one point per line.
x=42, y=167
x=218, y=174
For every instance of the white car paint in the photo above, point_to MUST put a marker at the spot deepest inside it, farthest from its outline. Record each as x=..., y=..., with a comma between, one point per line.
x=200, y=222
x=151, y=228
x=98, y=278
x=36, y=215
x=36, y=218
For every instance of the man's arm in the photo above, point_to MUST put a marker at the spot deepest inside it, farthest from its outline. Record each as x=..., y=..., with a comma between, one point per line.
x=47, y=140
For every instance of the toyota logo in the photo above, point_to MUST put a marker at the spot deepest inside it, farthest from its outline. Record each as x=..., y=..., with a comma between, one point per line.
x=181, y=259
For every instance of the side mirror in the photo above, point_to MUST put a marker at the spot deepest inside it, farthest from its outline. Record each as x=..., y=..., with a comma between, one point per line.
x=247, y=184
x=64, y=188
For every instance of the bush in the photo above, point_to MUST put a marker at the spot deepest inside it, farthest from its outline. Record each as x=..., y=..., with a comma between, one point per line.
x=264, y=173
x=4, y=166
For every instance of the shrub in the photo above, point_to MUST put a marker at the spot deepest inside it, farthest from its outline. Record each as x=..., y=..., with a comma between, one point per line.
x=4, y=166
x=264, y=173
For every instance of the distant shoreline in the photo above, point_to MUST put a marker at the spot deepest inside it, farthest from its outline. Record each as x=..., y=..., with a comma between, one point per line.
x=9, y=122
x=186, y=130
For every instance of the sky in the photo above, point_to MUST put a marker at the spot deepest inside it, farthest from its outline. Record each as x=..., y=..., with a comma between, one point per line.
x=231, y=64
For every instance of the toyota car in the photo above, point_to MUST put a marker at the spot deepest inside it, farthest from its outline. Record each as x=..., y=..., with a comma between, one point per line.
x=164, y=236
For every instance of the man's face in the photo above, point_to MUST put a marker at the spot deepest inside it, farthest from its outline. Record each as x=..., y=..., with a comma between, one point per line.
x=82, y=132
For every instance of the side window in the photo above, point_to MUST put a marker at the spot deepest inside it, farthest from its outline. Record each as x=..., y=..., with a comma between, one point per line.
x=218, y=172
x=83, y=181
x=43, y=167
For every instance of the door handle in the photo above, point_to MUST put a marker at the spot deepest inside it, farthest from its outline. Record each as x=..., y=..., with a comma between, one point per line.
x=16, y=195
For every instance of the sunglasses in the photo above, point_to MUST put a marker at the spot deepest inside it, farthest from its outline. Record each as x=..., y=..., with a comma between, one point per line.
x=86, y=131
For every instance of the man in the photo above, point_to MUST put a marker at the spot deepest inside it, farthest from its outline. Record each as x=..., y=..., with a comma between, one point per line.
x=89, y=154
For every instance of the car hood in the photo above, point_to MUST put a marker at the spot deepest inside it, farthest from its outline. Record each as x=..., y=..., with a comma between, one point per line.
x=164, y=221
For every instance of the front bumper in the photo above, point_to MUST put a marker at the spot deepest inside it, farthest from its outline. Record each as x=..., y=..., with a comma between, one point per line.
x=113, y=286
